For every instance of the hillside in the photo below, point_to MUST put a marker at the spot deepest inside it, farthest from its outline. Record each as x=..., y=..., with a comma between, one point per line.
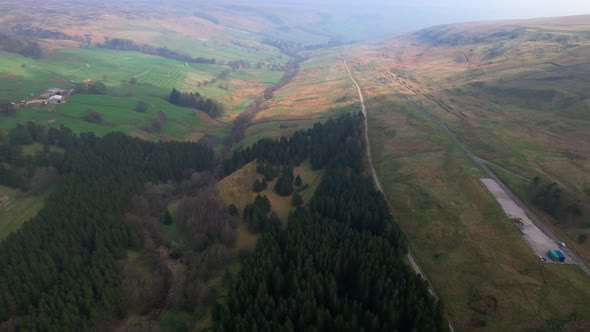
x=205, y=236
x=515, y=93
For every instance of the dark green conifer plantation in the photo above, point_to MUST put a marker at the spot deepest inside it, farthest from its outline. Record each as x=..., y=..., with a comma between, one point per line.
x=57, y=272
x=338, y=265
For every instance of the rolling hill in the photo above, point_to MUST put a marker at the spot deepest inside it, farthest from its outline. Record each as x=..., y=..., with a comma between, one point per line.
x=515, y=93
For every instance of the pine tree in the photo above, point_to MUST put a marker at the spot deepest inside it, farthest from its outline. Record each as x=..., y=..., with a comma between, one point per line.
x=284, y=185
x=296, y=200
x=174, y=97
x=298, y=181
x=257, y=186
x=233, y=210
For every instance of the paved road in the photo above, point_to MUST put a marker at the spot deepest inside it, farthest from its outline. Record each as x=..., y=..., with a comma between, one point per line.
x=482, y=164
x=413, y=262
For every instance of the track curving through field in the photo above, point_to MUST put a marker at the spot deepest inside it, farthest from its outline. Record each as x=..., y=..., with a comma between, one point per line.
x=411, y=259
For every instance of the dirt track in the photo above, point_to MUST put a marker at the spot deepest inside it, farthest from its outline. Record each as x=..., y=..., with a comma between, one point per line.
x=411, y=259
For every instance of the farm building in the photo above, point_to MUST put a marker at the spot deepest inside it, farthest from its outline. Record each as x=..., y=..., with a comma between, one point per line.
x=556, y=255
x=3, y=200
x=57, y=99
x=53, y=92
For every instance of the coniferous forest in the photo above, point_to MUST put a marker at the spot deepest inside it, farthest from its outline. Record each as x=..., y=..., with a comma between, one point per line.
x=336, y=264
x=58, y=271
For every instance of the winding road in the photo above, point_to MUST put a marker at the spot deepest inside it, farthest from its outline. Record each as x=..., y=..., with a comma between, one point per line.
x=411, y=259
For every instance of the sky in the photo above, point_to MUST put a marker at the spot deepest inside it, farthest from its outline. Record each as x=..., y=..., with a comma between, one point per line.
x=452, y=11
x=503, y=9
x=407, y=15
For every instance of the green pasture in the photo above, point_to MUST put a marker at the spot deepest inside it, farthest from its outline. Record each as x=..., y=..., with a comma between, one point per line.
x=118, y=114
x=156, y=76
x=222, y=50
x=61, y=67
x=22, y=76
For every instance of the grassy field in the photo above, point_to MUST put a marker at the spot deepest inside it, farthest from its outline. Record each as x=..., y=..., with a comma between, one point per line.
x=475, y=258
x=20, y=209
x=320, y=90
x=273, y=130
x=118, y=114
x=321, y=84
x=237, y=188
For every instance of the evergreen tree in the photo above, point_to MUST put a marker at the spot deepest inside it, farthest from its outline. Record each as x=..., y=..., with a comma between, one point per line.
x=174, y=97
x=257, y=186
x=296, y=200
x=298, y=181
x=284, y=185
x=167, y=219
x=233, y=210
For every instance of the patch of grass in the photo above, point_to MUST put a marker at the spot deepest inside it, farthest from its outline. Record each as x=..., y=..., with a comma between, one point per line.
x=175, y=320
x=33, y=149
x=237, y=188
x=171, y=232
x=320, y=89
x=272, y=129
x=19, y=210
x=244, y=238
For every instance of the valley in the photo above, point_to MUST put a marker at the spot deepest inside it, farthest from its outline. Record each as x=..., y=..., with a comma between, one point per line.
x=273, y=165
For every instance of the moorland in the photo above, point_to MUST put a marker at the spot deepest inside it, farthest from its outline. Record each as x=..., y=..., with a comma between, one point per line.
x=204, y=150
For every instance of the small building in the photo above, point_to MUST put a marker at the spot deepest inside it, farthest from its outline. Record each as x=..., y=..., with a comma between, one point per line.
x=57, y=99
x=283, y=126
x=3, y=200
x=53, y=92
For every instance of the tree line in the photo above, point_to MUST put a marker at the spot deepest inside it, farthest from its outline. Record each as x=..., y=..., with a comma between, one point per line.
x=195, y=100
x=567, y=209
x=23, y=46
x=129, y=45
x=338, y=265
x=28, y=31
x=59, y=269
x=335, y=142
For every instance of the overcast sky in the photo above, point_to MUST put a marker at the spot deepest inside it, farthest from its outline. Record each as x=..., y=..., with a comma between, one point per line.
x=506, y=9
x=469, y=10
x=412, y=14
